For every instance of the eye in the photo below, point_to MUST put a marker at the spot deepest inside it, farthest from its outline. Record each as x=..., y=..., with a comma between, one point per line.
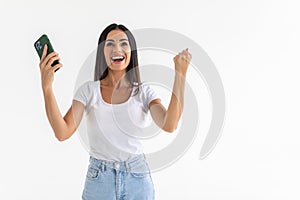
x=108, y=44
x=124, y=44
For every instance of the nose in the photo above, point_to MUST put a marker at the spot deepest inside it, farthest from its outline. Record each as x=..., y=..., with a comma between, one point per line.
x=117, y=48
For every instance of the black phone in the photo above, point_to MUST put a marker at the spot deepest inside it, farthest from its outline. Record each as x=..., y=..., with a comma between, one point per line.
x=39, y=46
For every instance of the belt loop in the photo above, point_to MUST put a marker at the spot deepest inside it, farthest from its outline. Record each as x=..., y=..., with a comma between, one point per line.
x=127, y=167
x=102, y=167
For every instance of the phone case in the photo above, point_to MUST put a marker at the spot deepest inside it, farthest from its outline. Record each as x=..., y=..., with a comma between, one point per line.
x=40, y=44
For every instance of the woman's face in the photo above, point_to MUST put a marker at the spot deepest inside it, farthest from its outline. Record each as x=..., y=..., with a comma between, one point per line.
x=117, y=51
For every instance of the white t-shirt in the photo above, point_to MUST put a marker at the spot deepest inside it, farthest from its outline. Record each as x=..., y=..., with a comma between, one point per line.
x=113, y=130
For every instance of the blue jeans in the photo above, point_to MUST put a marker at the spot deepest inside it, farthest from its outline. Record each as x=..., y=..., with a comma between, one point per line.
x=128, y=180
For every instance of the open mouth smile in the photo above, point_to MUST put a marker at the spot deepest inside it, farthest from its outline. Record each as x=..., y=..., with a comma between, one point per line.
x=117, y=59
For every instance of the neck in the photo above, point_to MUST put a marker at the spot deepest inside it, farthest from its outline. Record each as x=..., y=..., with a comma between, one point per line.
x=116, y=78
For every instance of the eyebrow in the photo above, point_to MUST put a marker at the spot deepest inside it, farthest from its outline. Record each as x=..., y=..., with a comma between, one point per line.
x=111, y=40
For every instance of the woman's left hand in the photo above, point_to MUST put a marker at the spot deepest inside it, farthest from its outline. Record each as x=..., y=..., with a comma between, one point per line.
x=182, y=61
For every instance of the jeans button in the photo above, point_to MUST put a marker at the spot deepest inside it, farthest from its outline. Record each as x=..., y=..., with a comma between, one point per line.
x=117, y=165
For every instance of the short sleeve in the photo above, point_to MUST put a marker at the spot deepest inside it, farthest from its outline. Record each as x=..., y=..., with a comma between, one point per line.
x=149, y=95
x=83, y=93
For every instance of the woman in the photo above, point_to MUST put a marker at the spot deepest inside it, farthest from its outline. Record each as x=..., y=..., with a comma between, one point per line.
x=117, y=169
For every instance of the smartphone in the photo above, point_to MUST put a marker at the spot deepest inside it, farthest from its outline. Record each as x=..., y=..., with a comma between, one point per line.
x=39, y=46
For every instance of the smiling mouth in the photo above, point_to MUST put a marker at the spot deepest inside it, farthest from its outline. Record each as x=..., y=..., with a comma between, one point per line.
x=117, y=59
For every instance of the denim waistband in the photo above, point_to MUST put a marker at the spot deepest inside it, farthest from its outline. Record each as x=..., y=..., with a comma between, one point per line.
x=136, y=164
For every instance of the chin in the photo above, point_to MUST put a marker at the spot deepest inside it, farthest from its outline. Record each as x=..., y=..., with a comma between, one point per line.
x=117, y=68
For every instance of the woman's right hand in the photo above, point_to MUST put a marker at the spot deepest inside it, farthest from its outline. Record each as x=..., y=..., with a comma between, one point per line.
x=47, y=71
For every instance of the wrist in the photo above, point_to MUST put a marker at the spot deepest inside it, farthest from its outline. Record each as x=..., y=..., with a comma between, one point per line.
x=180, y=71
x=180, y=74
x=46, y=89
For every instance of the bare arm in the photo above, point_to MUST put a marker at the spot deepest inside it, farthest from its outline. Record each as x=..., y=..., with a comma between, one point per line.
x=168, y=119
x=63, y=127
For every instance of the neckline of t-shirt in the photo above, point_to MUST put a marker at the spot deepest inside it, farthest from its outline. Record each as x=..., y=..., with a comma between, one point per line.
x=110, y=104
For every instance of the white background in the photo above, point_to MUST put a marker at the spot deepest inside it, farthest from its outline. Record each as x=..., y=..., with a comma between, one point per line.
x=255, y=47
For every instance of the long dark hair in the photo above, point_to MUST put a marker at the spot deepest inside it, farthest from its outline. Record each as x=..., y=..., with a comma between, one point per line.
x=132, y=70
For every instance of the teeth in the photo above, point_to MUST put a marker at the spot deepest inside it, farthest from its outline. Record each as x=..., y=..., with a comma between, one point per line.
x=117, y=57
